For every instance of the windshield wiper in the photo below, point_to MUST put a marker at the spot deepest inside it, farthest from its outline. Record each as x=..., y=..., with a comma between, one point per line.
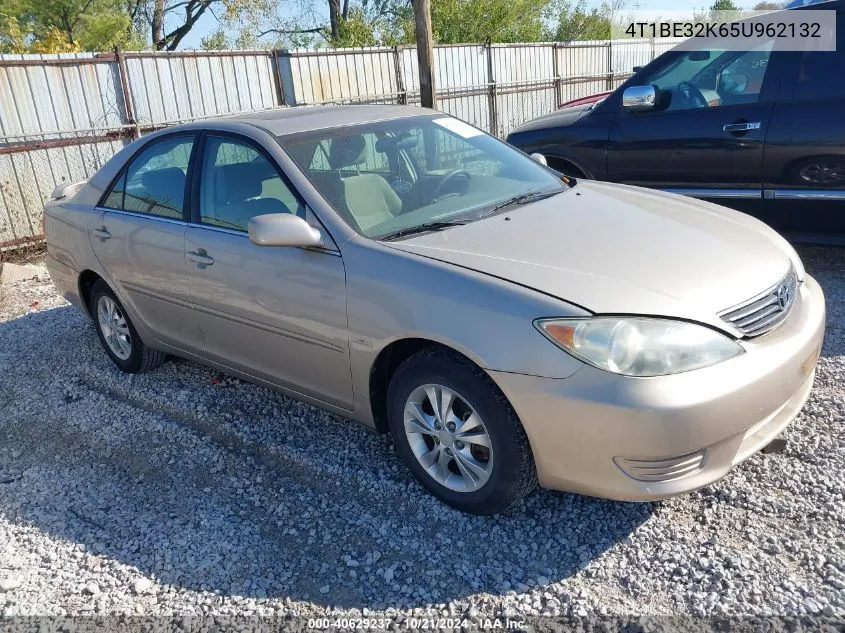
x=523, y=198
x=423, y=228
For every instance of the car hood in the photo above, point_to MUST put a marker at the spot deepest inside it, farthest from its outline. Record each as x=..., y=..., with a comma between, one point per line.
x=614, y=249
x=560, y=118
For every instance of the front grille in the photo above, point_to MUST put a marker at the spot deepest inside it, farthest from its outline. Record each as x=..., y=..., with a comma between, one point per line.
x=765, y=312
x=661, y=469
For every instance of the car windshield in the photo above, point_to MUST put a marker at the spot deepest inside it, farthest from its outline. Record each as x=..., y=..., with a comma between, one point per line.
x=425, y=172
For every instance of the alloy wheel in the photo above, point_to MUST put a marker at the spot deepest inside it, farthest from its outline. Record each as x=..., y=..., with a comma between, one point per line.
x=448, y=438
x=824, y=173
x=114, y=327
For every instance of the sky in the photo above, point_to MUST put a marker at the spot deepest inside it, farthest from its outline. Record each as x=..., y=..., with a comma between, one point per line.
x=208, y=24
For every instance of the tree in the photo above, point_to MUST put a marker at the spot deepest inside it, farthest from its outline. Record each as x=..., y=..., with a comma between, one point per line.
x=724, y=5
x=183, y=15
x=768, y=6
x=458, y=21
x=575, y=21
x=64, y=25
x=350, y=23
x=216, y=41
x=724, y=11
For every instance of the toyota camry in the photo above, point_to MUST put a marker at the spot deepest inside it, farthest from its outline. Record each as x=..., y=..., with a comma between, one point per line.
x=507, y=325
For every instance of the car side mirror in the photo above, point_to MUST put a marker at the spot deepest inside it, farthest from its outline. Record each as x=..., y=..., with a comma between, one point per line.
x=283, y=229
x=639, y=98
x=540, y=158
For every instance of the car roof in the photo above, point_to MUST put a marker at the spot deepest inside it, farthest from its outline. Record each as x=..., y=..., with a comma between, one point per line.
x=290, y=120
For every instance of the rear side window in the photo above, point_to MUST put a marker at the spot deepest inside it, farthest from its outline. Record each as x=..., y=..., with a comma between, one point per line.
x=822, y=73
x=154, y=182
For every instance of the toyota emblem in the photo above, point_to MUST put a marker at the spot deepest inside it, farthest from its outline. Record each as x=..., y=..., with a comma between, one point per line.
x=783, y=296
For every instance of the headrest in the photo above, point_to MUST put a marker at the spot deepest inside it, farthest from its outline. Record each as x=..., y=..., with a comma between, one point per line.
x=347, y=151
x=167, y=185
x=168, y=179
x=237, y=182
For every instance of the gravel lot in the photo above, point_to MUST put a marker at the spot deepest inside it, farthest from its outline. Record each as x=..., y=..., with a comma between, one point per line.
x=183, y=491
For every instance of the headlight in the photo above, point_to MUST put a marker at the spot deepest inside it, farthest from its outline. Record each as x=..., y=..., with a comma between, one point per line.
x=639, y=346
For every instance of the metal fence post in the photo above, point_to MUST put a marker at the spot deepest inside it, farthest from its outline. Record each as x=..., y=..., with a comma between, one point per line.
x=126, y=91
x=402, y=93
x=556, y=73
x=277, y=77
x=610, y=65
x=491, y=85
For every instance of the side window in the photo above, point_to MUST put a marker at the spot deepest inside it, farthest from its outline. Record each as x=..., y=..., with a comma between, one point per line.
x=822, y=73
x=237, y=182
x=114, y=200
x=711, y=78
x=154, y=182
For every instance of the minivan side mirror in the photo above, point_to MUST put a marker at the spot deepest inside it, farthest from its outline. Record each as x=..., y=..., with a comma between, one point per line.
x=733, y=83
x=639, y=98
x=282, y=229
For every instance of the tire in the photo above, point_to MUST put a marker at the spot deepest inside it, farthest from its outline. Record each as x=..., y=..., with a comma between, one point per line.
x=510, y=471
x=130, y=353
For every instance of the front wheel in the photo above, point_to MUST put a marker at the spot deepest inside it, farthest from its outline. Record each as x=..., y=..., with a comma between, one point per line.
x=458, y=434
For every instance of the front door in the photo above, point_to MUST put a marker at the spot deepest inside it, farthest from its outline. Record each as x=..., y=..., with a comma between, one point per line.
x=705, y=136
x=277, y=313
x=140, y=241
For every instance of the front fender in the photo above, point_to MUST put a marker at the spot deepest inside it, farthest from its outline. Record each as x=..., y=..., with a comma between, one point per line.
x=395, y=295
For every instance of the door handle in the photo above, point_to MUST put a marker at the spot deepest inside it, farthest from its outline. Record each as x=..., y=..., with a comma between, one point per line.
x=102, y=233
x=200, y=257
x=741, y=127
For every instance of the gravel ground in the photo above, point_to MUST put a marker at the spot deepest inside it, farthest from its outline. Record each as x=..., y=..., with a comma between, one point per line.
x=183, y=491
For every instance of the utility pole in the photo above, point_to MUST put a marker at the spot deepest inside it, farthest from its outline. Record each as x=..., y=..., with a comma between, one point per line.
x=425, y=52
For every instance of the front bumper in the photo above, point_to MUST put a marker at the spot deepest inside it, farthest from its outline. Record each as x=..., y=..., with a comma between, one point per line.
x=639, y=439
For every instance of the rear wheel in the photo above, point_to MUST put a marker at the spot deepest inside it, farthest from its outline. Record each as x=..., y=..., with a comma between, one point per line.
x=458, y=434
x=117, y=334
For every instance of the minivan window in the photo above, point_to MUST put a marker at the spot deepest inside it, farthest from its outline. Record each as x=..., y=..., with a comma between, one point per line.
x=710, y=78
x=822, y=73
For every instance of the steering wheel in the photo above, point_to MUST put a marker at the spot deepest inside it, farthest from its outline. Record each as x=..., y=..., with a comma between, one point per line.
x=692, y=95
x=447, y=178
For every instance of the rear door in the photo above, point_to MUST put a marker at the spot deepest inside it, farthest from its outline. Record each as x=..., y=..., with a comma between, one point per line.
x=140, y=240
x=705, y=136
x=804, y=164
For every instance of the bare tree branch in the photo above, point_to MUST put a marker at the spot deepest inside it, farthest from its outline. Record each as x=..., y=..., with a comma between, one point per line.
x=320, y=29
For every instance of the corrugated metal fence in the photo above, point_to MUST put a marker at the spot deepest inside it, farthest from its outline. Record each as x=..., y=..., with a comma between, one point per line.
x=63, y=116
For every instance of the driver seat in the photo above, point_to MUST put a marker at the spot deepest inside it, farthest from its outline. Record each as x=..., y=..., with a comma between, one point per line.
x=369, y=197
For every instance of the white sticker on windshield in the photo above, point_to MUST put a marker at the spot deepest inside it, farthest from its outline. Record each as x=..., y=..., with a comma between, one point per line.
x=457, y=126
